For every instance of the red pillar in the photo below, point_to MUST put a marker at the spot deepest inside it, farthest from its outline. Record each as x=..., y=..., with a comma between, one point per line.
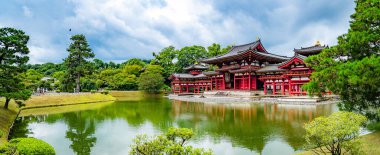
x=290, y=86
x=283, y=87
x=274, y=87
x=265, y=87
x=249, y=82
x=234, y=81
x=243, y=82
x=187, y=87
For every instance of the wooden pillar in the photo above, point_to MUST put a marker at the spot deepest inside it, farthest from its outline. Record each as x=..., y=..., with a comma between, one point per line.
x=283, y=87
x=187, y=87
x=234, y=81
x=274, y=87
x=290, y=86
x=180, y=87
x=265, y=87
x=243, y=81
x=249, y=82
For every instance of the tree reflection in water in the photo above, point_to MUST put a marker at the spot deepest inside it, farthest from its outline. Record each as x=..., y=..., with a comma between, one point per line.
x=248, y=126
x=80, y=132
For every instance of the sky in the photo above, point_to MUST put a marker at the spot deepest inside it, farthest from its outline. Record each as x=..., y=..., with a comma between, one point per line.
x=118, y=30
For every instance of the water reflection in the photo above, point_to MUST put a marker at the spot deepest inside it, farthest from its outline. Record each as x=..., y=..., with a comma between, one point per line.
x=249, y=125
x=225, y=128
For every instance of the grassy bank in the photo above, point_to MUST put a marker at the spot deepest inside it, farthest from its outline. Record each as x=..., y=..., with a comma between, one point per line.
x=371, y=143
x=63, y=109
x=7, y=116
x=131, y=95
x=37, y=105
x=65, y=99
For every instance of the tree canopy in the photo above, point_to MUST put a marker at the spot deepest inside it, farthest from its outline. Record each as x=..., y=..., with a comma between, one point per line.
x=13, y=54
x=76, y=62
x=351, y=68
x=335, y=134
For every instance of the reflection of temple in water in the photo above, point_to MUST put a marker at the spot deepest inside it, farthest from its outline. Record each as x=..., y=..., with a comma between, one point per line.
x=250, y=125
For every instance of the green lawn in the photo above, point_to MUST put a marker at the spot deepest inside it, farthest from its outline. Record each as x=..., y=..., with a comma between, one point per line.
x=69, y=99
x=371, y=144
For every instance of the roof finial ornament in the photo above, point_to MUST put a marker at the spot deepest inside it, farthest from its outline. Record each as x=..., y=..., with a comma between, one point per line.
x=318, y=43
x=257, y=38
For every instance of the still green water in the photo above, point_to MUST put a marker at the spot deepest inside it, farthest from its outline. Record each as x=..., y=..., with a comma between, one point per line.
x=224, y=128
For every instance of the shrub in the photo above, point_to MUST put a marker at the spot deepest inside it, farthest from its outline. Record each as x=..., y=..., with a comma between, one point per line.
x=105, y=92
x=93, y=91
x=57, y=91
x=27, y=146
x=151, y=82
x=1, y=133
x=336, y=134
x=171, y=143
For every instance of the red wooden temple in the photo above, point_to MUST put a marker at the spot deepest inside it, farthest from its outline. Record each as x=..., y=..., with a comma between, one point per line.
x=249, y=67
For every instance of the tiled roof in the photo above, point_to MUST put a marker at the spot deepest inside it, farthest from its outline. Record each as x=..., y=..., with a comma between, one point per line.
x=299, y=56
x=310, y=50
x=201, y=67
x=270, y=68
x=237, y=51
x=188, y=76
x=211, y=73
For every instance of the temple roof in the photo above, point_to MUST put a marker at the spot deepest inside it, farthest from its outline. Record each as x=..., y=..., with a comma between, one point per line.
x=211, y=73
x=187, y=76
x=195, y=66
x=270, y=68
x=306, y=51
x=239, y=52
x=299, y=56
x=247, y=69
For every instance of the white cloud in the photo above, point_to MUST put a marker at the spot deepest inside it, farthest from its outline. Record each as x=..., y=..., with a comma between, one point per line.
x=27, y=11
x=123, y=29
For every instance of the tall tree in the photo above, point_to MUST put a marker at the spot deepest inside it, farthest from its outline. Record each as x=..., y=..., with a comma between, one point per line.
x=189, y=55
x=77, y=63
x=165, y=58
x=351, y=69
x=13, y=54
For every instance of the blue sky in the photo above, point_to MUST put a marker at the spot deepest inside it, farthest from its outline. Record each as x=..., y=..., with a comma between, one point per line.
x=118, y=30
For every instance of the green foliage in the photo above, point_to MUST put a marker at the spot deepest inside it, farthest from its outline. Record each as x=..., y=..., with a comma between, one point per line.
x=13, y=54
x=134, y=61
x=76, y=62
x=171, y=143
x=151, y=80
x=335, y=134
x=132, y=70
x=1, y=133
x=215, y=50
x=93, y=91
x=27, y=146
x=351, y=68
x=188, y=56
x=105, y=92
x=165, y=58
x=31, y=78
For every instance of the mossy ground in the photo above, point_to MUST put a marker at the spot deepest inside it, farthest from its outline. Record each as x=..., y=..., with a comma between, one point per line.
x=371, y=143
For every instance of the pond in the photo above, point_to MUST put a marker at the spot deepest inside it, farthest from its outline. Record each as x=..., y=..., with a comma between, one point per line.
x=109, y=128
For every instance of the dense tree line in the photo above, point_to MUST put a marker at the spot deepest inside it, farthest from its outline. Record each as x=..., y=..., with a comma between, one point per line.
x=80, y=72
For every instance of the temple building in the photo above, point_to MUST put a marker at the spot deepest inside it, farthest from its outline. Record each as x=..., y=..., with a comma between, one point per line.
x=249, y=67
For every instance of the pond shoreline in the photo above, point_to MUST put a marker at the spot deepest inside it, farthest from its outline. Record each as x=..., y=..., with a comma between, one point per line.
x=57, y=100
x=240, y=99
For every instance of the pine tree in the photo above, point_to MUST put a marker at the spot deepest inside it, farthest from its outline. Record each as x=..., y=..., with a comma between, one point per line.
x=77, y=63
